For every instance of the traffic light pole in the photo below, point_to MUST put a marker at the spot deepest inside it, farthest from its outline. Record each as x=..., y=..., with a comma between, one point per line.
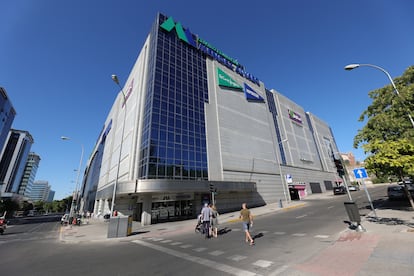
x=213, y=190
x=346, y=187
x=369, y=198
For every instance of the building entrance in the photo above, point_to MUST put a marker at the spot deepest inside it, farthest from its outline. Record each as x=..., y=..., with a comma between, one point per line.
x=172, y=211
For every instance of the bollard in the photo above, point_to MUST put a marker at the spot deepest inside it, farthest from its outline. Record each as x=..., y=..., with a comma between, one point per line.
x=280, y=203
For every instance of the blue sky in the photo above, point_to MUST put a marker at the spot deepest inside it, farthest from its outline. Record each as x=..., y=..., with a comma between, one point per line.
x=57, y=57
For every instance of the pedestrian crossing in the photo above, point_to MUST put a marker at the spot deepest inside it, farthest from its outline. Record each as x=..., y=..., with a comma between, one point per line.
x=187, y=251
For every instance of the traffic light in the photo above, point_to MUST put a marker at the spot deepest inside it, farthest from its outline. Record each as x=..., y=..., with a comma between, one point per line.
x=339, y=167
x=213, y=189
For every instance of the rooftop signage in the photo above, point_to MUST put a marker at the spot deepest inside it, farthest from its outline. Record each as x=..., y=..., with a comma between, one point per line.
x=202, y=45
x=295, y=116
x=129, y=91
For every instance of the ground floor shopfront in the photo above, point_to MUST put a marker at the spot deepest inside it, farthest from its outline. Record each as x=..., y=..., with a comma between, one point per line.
x=160, y=200
x=167, y=200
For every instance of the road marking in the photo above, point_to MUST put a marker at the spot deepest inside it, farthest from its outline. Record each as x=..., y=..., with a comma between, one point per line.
x=330, y=207
x=302, y=216
x=166, y=241
x=322, y=236
x=216, y=253
x=263, y=263
x=279, y=233
x=157, y=239
x=200, y=249
x=176, y=243
x=299, y=234
x=211, y=264
x=186, y=246
x=236, y=258
x=279, y=271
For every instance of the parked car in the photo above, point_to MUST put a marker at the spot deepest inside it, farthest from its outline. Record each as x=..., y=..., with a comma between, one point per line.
x=64, y=219
x=353, y=188
x=409, y=185
x=339, y=190
x=396, y=192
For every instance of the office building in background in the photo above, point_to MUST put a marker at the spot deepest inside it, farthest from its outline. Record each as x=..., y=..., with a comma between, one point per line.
x=7, y=114
x=13, y=158
x=29, y=174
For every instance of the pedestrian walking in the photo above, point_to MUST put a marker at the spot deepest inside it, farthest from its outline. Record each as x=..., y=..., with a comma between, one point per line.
x=247, y=222
x=206, y=215
x=214, y=221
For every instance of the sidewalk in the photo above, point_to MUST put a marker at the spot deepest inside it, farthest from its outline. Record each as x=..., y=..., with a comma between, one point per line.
x=386, y=247
x=96, y=230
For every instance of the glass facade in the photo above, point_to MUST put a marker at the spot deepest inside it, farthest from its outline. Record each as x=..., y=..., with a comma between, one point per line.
x=7, y=114
x=174, y=136
x=272, y=108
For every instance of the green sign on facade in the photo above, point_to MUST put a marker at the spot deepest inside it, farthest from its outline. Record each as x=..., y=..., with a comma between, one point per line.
x=226, y=81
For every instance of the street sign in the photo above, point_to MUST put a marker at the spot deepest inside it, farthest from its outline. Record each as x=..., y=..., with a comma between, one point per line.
x=360, y=173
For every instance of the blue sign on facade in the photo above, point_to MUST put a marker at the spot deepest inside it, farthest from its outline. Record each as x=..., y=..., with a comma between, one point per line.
x=251, y=94
x=360, y=173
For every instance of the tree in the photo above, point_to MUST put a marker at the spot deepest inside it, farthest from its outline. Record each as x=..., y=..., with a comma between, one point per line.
x=39, y=206
x=8, y=205
x=388, y=136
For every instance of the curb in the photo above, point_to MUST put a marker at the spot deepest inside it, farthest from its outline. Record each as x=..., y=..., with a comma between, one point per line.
x=270, y=211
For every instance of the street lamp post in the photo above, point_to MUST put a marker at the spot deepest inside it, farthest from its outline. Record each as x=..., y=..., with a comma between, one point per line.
x=116, y=80
x=356, y=65
x=74, y=206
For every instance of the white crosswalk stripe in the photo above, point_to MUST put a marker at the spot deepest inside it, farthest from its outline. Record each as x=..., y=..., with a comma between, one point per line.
x=200, y=249
x=202, y=261
x=321, y=236
x=236, y=258
x=263, y=263
x=157, y=239
x=166, y=241
x=216, y=253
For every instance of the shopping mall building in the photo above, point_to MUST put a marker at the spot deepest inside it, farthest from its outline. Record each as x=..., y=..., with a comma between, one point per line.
x=191, y=120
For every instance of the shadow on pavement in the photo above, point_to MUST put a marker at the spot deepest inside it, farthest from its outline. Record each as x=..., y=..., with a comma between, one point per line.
x=401, y=205
x=138, y=233
x=390, y=221
x=223, y=231
x=257, y=236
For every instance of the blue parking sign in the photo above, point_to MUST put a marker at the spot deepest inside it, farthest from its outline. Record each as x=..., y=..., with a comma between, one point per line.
x=360, y=173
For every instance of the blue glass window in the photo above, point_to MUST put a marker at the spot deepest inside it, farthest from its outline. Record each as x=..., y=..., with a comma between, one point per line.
x=174, y=110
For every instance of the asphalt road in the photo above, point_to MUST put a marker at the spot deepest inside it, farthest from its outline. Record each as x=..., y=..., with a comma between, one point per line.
x=282, y=239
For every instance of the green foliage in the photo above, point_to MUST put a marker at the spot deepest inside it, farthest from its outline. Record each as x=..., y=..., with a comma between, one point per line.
x=38, y=206
x=9, y=205
x=41, y=207
x=388, y=136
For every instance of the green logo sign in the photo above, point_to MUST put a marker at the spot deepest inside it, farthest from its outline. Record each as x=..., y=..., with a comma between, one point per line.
x=205, y=47
x=226, y=81
x=182, y=34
